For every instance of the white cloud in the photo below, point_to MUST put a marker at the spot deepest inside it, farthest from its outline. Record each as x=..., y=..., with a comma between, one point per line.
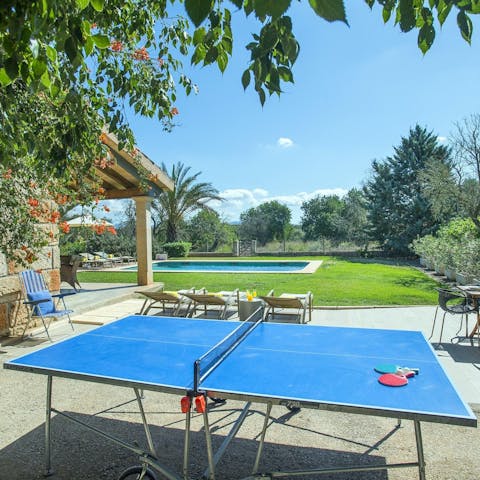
x=442, y=139
x=237, y=201
x=284, y=142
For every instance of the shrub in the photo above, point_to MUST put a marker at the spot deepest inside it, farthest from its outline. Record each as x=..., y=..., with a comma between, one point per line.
x=177, y=249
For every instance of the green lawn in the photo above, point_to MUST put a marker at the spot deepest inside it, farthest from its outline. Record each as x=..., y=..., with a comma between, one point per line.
x=338, y=281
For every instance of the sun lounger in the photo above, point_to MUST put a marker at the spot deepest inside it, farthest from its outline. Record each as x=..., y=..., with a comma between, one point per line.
x=285, y=303
x=168, y=301
x=214, y=302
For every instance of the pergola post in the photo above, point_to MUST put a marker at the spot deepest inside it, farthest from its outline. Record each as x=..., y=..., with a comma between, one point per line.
x=144, y=240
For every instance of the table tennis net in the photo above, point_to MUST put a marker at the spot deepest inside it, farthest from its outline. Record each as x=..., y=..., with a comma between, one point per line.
x=210, y=360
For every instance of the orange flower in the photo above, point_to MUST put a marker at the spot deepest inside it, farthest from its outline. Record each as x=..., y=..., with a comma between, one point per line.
x=93, y=25
x=112, y=230
x=8, y=174
x=61, y=199
x=101, y=191
x=33, y=202
x=174, y=111
x=141, y=54
x=106, y=208
x=64, y=227
x=51, y=235
x=24, y=248
x=116, y=46
x=103, y=137
x=54, y=216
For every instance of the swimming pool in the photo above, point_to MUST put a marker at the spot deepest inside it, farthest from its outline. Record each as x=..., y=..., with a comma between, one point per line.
x=239, y=266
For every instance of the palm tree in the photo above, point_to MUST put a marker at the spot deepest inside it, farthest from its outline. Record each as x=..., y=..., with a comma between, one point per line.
x=186, y=197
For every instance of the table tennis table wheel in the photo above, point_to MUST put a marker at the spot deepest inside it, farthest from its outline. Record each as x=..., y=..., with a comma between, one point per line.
x=135, y=473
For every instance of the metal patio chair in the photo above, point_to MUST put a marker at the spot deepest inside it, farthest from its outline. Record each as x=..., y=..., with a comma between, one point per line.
x=40, y=302
x=453, y=302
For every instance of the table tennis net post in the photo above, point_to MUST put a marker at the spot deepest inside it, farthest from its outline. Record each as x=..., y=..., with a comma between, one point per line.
x=214, y=357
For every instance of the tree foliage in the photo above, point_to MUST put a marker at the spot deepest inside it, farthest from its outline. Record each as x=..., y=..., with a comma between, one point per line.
x=321, y=218
x=187, y=196
x=74, y=65
x=206, y=231
x=269, y=221
x=398, y=210
x=454, y=188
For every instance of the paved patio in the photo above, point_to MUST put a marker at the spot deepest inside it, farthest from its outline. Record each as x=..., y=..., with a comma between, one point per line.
x=308, y=438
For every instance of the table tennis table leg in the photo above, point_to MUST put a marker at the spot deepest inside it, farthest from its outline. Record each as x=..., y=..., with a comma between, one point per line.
x=186, y=444
x=231, y=435
x=262, y=438
x=421, y=459
x=145, y=423
x=208, y=439
x=48, y=436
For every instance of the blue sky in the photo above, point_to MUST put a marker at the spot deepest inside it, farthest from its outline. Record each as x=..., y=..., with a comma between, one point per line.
x=357, y=91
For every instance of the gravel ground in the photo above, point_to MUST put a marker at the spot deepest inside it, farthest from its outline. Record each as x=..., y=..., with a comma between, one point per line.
x=294, y=440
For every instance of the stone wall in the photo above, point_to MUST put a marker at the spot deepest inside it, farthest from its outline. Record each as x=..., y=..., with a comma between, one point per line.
x=13, y=313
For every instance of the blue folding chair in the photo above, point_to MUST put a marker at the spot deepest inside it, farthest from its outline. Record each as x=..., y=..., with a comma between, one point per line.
x=40, y=301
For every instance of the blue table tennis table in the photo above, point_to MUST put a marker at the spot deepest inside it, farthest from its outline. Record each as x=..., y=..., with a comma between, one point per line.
x=299, y=366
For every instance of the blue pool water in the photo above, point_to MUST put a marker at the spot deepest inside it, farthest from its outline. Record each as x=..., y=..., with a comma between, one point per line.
x=225, y=266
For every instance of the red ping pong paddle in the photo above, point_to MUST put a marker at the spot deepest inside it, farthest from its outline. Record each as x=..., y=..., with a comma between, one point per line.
x=393, y=380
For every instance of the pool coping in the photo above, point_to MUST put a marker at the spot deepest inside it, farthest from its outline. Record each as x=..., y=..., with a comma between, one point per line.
x=311, y=267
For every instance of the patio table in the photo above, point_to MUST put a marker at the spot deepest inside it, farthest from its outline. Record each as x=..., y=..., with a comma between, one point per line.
x=472, y=292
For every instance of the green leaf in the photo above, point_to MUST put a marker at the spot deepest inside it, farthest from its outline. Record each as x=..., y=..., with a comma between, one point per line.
x=330, y=10
x=71, y=48
x=4, y=78
x=38, y=67
x=465, y=25
x=45, y=79
x=237, y=3
x=97, y=4
x=261, y=95
x=443, y=9
x=197, y=10
x=407, y=18
x=11, y=68
x=101, y=41
x=51, y=53
x=198, y=55
x=426, y=36
x=211, y=55
x=285, y=74
x=272, y=8
x=82, y=4
x=199, y=35
x=222, y=61
x=386, y=13
x=88, y=46
x=246, y=79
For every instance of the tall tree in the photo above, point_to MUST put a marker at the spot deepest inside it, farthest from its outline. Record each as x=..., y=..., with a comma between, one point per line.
x=186, y=197
x=398, y=210
x=454, y=188
x=354, y=221
x=269, y=221
x=322, y=218
x=207, y=232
